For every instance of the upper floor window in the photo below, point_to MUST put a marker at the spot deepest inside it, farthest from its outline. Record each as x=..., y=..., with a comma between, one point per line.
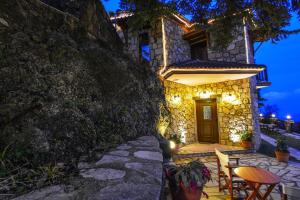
x=144, y=47
x=199, y=50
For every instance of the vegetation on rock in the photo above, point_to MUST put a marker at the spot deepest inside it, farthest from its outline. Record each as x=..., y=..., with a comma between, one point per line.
x=64, y=94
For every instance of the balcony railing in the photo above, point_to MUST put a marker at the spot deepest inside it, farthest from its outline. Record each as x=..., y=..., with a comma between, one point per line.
x=263, y=79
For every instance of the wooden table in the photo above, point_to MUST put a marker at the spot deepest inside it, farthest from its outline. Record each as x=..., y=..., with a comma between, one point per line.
x=255, y=178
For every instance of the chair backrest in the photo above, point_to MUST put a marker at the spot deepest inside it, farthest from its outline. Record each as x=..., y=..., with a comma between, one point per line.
x=224, y=161
x=292, y=193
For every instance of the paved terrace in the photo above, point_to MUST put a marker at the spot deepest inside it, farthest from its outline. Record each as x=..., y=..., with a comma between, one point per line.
x=289, y=173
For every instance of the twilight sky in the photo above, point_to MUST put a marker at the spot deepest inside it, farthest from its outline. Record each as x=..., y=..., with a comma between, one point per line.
x=283, y=62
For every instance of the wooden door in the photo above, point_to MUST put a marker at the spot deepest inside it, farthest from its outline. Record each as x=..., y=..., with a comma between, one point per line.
x=207, y=121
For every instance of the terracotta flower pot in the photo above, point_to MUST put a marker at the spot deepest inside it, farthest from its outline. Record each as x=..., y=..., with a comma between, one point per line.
x=190, y=193
x=246, y=144
x=282, y=156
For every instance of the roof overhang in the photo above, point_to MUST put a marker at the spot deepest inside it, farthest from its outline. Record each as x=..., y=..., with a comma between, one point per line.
x=200, y=76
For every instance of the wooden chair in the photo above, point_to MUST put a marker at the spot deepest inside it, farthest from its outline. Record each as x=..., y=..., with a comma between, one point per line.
x=225, y=172
x=289, y=193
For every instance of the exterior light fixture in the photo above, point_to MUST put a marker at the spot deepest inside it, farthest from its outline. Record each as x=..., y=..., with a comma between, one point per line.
x=288, y=117
x=204, y=95
x=230, y=98
x=176, y=99
x=273, y=115
x=261, y=115
x=234, y=137
x=172, y=144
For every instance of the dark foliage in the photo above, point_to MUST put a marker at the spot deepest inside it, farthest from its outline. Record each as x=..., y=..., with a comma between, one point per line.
x=267, y=18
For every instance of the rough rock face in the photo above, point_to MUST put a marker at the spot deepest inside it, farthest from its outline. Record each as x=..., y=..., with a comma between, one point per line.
x=93, y=18
x=130, y=178
x=67, y=89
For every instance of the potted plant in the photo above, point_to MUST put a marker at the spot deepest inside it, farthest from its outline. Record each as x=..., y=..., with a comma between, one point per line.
x=175, y=143
x=187, y=181
x=246, y=139
x=282, y=153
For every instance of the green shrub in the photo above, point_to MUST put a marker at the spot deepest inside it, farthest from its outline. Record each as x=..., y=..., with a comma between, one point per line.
x=281, y=145
x=245, y=136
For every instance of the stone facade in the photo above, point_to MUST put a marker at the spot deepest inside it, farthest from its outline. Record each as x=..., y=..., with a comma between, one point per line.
x=233, y=116
x=167, y=34
x=177, y=49
x=156, y=44
x=239, y=50
x=167, y=46
x=235, y=52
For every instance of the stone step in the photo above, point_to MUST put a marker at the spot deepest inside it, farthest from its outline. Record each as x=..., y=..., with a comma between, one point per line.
x=212, y=153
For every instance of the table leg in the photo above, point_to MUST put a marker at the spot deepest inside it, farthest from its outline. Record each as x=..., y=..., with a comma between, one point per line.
x=269, y=190
x=255, y=188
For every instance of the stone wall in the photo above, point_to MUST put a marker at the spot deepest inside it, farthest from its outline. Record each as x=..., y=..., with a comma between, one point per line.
x=93, y=17
x=177, y=49
x=156, y=45
x=255, y=111
x=131, y=171
x=235, y=52
x=233, y=116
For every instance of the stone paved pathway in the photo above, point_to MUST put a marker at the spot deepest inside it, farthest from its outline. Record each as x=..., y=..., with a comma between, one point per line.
x=132, y=171
x=293, y=152
x=289, y=172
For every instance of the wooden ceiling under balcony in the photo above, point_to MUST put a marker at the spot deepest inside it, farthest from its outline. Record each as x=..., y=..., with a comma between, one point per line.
x=195, y=36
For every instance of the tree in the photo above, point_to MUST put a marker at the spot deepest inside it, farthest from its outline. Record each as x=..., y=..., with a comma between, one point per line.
x=261, y=100
x=267, y=19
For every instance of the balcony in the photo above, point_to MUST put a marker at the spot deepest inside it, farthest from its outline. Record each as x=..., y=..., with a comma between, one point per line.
x=262, y=79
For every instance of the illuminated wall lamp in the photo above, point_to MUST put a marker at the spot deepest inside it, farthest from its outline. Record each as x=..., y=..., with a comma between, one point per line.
x=172, y=144
x=229, y=98
x=234, y=137
x=204, y=95
x=176, y=99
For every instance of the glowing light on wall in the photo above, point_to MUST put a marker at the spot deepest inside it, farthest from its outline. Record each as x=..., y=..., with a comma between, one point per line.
x=182, y=131
x=183, y=21
x=164, y=43
x=261, y=115
x=176, y=100
x=273, y=115
x=204, y=95
x=230, y=98
x=172, y=144
x=236, y=125
x=234, y=137
x=162, y=128
x=246, y=38
x=289, y=117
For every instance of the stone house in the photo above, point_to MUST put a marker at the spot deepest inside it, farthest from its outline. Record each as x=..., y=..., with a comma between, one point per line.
x=211, y=94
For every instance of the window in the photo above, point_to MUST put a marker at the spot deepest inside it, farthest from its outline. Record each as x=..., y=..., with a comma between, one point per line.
x=199, y=50
x=207, y=115
x=144, y=48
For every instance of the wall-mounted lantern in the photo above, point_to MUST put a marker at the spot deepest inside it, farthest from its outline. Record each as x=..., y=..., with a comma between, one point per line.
x=176, y=100
x=234, y=137
x=230, y=98
x=205, y=95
